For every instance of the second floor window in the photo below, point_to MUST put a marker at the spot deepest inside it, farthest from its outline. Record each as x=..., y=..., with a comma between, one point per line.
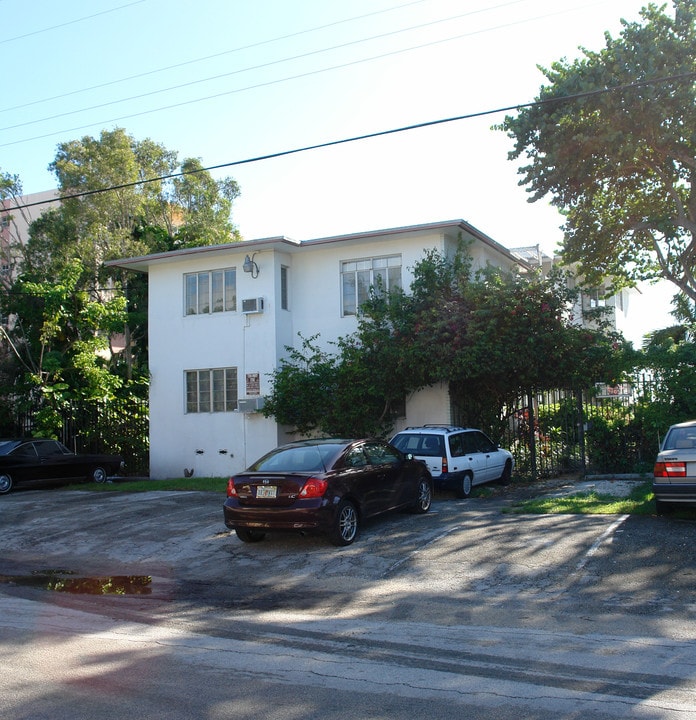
x=358, y=276
x=211, y=291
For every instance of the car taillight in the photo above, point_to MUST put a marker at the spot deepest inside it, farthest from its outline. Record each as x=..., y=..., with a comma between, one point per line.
x=313, y=488
x=231, y=489
x=445, y=466
x=669, y=469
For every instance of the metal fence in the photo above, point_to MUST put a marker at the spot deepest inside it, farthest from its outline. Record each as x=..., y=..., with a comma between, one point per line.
x=116, y=426
x=592, y=431
x=549, y=433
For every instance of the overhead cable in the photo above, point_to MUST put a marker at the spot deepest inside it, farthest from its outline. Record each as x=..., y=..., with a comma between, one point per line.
x=367, y=136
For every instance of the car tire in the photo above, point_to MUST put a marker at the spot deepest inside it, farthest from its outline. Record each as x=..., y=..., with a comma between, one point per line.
x=346, y=524
x=507, y=474
x=425, y=496
x=99, y=475
x=464, y=487
x=248, y=535
x=5, y=484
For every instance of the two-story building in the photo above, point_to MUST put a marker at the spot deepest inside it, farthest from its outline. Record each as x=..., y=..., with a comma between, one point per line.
x=221, y=318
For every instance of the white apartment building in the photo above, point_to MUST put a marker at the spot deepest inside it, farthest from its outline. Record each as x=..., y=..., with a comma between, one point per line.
x=615, y=306
x=221, y=318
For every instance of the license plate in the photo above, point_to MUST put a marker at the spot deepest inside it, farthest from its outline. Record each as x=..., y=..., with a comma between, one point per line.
x=266, y=491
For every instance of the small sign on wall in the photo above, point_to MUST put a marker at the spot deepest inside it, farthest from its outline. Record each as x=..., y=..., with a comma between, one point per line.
x=253, y=384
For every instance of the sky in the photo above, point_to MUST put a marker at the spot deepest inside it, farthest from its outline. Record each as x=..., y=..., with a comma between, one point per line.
x=231, y=81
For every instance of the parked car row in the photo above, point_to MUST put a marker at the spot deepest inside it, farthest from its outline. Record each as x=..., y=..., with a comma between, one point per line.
x=331, y=486
x=38, y=460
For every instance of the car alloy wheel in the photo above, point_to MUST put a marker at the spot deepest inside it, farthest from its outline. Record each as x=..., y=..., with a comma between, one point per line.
x=345, y=528
x=506, y=477
x=425, y=496
x=5, y=484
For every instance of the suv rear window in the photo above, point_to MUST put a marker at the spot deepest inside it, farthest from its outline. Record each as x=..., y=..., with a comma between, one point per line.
x=420, y=444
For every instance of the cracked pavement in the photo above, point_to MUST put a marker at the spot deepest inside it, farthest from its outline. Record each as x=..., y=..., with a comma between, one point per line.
x=463, y=611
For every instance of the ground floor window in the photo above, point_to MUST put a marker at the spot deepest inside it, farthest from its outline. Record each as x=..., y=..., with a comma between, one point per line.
x=211, y=390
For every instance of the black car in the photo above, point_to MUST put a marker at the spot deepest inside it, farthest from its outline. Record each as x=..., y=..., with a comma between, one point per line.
x=325, y=486
x=36, y=460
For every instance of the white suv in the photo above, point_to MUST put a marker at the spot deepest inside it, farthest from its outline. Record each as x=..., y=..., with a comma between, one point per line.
x=458, y=458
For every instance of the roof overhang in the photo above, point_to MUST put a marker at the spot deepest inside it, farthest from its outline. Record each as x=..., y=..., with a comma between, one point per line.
x=283, y=244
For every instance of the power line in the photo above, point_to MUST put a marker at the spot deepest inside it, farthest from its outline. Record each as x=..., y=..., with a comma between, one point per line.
x=213, y=56
x=280, y=80
x=70, y=22
x=367, y=136
x=270, y=63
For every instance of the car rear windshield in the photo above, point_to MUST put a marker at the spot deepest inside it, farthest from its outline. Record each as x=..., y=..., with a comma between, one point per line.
x=680, y=439
x=302, y=458
x=423, y=445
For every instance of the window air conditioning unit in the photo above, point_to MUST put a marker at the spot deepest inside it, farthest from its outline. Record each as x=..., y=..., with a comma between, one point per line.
x=252, y=305
x=249, y=405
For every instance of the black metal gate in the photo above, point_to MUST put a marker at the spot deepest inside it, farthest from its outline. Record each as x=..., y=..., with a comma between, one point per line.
x=562, y=431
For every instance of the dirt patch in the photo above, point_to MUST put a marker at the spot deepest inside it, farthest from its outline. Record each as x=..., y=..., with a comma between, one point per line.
x=565, y=485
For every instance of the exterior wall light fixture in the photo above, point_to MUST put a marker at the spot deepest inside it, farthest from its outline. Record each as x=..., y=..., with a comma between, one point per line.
x=250, y=266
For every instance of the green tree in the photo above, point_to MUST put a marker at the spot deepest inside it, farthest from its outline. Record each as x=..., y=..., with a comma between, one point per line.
x=153, y=204
x=497, y=336
x=60, y=336
x=491, y=338
x=139, y=214
x=612, y=140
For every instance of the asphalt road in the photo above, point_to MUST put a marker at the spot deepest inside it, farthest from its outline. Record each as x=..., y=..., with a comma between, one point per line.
x=465, y=611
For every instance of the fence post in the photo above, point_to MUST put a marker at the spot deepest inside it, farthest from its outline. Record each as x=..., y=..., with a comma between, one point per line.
x=532, y=434
x=581, y=429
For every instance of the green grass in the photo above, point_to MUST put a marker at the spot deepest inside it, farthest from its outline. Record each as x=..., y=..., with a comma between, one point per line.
x=202, y=484
x=639, y=502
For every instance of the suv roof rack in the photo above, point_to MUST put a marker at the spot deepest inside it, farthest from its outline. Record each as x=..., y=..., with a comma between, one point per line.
x=444, y=426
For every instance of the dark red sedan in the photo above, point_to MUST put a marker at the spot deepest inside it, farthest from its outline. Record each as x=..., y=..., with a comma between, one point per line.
x=324, y=486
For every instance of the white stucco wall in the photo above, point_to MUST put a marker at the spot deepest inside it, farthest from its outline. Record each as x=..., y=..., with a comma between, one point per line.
x=213, y=444
x=430, y=405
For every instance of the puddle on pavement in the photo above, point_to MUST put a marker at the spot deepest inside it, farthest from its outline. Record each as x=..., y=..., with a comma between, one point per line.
x=68, y=582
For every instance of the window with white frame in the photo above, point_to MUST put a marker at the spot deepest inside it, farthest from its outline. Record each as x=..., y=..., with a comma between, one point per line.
x=358, y=276
x=210, y=291
x=211, y=390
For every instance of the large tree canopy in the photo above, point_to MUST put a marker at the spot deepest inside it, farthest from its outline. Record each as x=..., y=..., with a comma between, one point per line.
x=119, y=197
x=612, y=141
x=182, y=210
x=492, y=338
